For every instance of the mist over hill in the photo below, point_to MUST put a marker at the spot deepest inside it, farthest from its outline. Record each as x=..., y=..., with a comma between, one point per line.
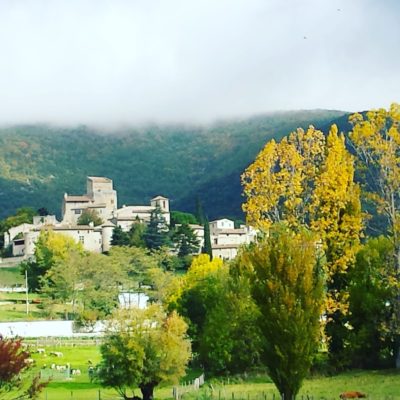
x=39, y=163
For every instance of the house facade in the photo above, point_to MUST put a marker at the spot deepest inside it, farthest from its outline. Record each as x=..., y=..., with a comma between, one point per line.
x=100, y=196
x=226, y=239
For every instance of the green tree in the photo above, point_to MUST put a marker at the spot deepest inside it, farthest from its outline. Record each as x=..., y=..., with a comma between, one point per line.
x=207, y=248
x=185, y=240
x=136, y=235
x=119, y=237
x=230, y=339
x=89, y=281
x=43, y=211
x=156, y=234
x=179, y=217
x=372, y=299
x=287, y=286
x=143, y=349
x=90, y=216
x=136, y=262
x=50, y=248
x=199, y=214
x=222, y=317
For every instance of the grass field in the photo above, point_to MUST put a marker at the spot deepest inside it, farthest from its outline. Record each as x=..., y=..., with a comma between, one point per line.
x=379, y=385
x=11, y=276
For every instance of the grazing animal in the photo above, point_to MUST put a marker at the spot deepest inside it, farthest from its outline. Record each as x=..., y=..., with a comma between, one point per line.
x=41, y=351
x=76, y=371
x=53, y=366
x=29, y=361
x=57, y=354
x=352, y=395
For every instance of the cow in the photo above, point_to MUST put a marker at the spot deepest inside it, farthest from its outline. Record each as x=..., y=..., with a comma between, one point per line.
x=352, y=395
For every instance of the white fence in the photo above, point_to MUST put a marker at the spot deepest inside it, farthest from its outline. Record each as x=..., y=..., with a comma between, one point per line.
x=36, y=329
x=13, y=289
x=185, y=387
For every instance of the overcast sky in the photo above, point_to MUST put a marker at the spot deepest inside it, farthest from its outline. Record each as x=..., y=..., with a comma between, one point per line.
x=128, y=62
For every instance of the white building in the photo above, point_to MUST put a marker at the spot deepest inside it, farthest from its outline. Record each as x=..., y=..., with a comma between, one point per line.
x=93, y=238
x=100, y=196
x=128, y=215
x=226, y=239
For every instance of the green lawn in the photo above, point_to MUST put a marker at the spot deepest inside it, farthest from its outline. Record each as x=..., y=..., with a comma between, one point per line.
x=10, y=276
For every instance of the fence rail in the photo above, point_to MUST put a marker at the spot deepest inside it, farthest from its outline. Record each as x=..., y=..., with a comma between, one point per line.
x=185, y=387
x=63, y=341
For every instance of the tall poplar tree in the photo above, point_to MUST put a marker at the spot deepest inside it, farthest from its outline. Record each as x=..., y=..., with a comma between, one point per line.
x=287, y=285
x=307, y=180
x=376, y=139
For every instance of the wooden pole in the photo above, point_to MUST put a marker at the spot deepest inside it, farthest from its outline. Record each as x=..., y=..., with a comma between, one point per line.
x=26, y=290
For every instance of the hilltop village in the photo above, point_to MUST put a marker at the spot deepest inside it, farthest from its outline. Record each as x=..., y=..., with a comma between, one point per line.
x=101, y=197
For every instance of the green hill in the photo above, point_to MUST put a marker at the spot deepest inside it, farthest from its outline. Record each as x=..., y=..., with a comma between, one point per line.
x=38, y=164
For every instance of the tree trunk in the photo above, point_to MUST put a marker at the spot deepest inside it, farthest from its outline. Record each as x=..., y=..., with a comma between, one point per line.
x=147, y=390
x=288, y=394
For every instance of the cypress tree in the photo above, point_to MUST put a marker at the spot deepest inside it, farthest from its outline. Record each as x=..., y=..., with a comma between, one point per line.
x=199, y=211
x=207, y=249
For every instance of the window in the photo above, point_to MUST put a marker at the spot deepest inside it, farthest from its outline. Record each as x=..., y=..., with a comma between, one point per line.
x=82, y=239
x=78, y=211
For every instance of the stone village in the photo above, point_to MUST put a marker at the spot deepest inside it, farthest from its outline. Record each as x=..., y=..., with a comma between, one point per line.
x=102, y=197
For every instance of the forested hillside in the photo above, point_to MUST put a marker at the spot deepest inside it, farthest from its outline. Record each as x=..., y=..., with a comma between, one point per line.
x=39, y=163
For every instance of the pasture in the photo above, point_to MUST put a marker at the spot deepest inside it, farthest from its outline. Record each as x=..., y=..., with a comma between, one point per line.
x=379, y=385
x=10, y=276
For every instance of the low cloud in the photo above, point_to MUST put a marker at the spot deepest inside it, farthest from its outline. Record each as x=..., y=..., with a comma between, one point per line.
x=119, y=62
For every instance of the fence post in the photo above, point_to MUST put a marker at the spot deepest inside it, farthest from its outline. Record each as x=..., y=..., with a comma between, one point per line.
x=99, y=395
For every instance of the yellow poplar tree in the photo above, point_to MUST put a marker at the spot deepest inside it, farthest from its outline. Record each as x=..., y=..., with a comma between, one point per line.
x=335, y=212
x=308, y=180
x=278, y=185
x=376, y=138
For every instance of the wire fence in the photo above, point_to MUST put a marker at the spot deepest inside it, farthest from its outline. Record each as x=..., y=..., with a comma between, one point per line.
x=63, y=341
x=220, y=394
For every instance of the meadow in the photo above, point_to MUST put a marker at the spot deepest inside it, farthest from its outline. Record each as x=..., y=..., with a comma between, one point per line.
x=379, y=385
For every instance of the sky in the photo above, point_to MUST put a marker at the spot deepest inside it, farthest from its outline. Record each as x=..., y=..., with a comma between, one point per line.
x=116, y=62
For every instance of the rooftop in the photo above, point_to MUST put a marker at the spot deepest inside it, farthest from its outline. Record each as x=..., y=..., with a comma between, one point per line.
x=99, y=179
x=159, y=198
x=76, y=199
